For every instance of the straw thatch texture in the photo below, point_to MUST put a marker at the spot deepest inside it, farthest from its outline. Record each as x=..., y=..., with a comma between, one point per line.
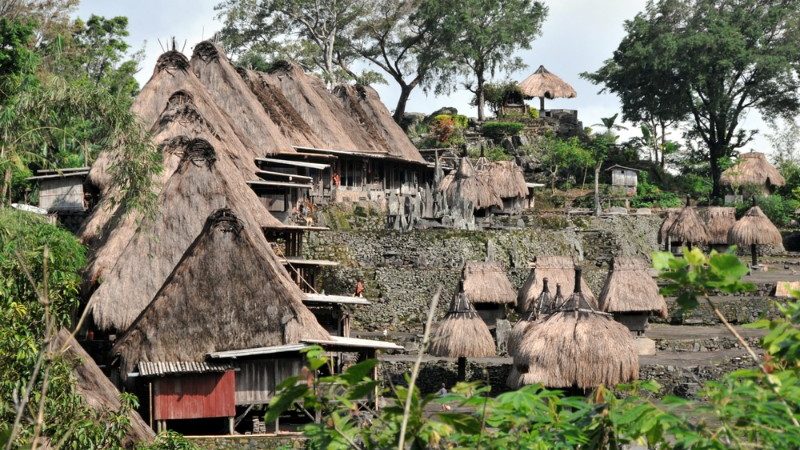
x=505, y=177
x=752, y=169
x=205, y=181
x=545, y=304
x=487, y=282
x=462, y=333
x=666, y=224
x=228, y=292
x=465, y=184
x=688, y=227
x=558, y=270
x=719, y=220
x=543, y=83
x=630, y=288
x=754, y=228
x=96, y=389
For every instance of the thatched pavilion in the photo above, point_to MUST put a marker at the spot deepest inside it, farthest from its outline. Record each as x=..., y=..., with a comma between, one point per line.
x=719, y=220
x=754, y=229
x=462, y=334
x=576, y=347
x=546, y=303
x=752, y=169
x=467, y=185
x=631, y=294
x=663, y=230
x=558, y=270
x=546, y=85
x=486, y=284
x=688, y=228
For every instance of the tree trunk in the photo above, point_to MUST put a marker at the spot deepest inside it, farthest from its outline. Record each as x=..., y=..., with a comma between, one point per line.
x=715, y=152
x=400, y=109
x=553, y=180
x=480, y=96
x=597, y=190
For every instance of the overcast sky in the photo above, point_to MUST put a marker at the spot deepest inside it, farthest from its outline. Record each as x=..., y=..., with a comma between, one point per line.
x=577, y=36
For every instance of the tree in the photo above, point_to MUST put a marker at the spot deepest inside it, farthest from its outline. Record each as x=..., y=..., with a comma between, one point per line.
x=559, y=154
x=784, y=139
x=486, y=34
x=405, y=38
x=311, y=32
x=600, y=146
x=708, y=62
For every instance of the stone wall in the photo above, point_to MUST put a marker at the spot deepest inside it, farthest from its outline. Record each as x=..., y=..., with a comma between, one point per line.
x=402, y=270
x=248, y=442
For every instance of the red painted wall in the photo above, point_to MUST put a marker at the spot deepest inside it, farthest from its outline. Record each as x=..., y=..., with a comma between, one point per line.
x=195, y=396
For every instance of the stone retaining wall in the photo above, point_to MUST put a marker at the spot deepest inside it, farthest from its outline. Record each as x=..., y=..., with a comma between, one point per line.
x=248, y=442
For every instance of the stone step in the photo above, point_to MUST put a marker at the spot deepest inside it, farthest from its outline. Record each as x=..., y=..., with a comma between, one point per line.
x=682, y=338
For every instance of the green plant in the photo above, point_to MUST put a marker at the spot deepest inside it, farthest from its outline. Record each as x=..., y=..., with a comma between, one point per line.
x=649, y=195
x=499, y=130
x=169, y=440
x=533, y=113
x=780, y=210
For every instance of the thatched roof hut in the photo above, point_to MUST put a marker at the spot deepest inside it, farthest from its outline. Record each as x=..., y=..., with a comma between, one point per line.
x=754, y=228
x=546, y=85
x=228, y=292
x=557, y=269
x=462, y=333
x=719, y=220
x=96, y=389
x=576, y=347
x=629, y=288
x=545, y=304
x=688, y=227
x=487, y=282
x=666, y=224
x=506, y=178
x=465, y=183
x=752, y=169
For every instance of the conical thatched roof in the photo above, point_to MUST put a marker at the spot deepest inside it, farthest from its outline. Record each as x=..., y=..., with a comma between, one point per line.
x=545, y=304
x=543, y=83
x=467, y=185
x=206, y=180
x=462, y=333
x=557, y=269
x=719, y=220
x=96, y=389
x=576, y=347
x=754, y=228
x=688, y=227
x=228, y=292
x=752, y=169
x=630, y=288
x=487, y=282
x=666, y=224
x=505, y=177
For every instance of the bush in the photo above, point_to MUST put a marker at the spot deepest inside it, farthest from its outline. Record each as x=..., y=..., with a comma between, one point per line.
x=533, y=113
x=780, y=210
x=491, y=153
x=499, y=130
x=461, y=121
x=649, y=195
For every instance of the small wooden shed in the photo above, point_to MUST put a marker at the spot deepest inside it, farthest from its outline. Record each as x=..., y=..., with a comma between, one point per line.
x=61, y=190
x=624, y=179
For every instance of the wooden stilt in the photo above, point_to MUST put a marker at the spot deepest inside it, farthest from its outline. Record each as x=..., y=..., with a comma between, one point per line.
x=230, y=425
x=462, y=368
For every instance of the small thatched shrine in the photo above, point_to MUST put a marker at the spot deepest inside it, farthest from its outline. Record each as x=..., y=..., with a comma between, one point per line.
x=545, y=304
x=546, y=85
x=462, y=334
x=688, y=228
x=631, y=294
x=753, y=170
x=577, y=347
x=719, y=220
x=558, y=270
x=465, y=184
x=497, y=187
x=663, y=230
x=754, y=229
x=488, y=287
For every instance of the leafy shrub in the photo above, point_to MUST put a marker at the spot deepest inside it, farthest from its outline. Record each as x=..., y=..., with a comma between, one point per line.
x=498, y=94
x=499, y=130
x=651, y=196
x=461, y=121
x=533, y=113
x=492, y=153
x=780, y=210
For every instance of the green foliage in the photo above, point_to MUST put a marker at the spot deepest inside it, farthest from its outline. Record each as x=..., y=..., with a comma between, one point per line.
x=533, y=113
x=780, y=210
x=499, y=94
x=169, y=440
x=492, y=154
x=499, y=130
x=651, y=196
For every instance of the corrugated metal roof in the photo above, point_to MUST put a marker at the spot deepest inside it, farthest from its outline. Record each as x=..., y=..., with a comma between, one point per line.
x=338, y=299
x=287, y=162
x=258, y=351
x=153, y=369
x=341, y=341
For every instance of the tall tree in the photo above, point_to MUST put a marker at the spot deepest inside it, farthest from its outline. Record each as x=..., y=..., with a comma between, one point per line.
x=405, y=38
x=486, y=34
x=706, y=63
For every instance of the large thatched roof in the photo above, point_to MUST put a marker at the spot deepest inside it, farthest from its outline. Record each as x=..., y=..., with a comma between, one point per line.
x=576, y=347
x=465, y=183
x=630, y=288
x=506, y=178
x=688, y=227
x=228, y=292
x=754, y=228
x=487, y=282
x=544, y=305
x=462, y=333
x=666, y=224
x=543, y=83
x=96, y=389
x=752, y=169
x=557, y=269
x=719, y=220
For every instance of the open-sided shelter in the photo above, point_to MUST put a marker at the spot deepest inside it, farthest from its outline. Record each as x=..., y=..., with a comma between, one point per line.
x=546, y=85
x=754, y=229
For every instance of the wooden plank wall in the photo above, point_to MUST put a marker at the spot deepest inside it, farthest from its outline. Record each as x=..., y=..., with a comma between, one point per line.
x=195, y=396
x=61, y=194
x=257, y=379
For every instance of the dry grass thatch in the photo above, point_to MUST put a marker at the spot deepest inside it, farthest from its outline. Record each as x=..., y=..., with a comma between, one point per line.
x=630, y=288
x=688, y=227
x=505, y=178
x=559, y=270
x=719, y=220
x=543, y=83
x=462, y=333
x=96, y=389
x=752, y=169
x=487, y=282
x=228, y=292
x=666, y=224
x=545, y=304
x=576, y=347
x=754, y=228
x=465, y=183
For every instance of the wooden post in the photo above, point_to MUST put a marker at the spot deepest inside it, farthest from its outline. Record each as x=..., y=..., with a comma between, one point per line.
x=462, y=368
x=541, y=105
x=150, y=400
x=754, y=255
x=376, y=390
